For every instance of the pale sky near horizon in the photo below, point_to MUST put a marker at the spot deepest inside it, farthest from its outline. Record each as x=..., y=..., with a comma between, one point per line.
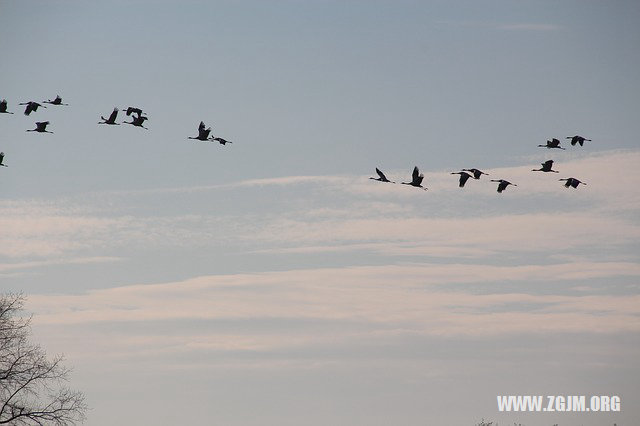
x=270, y=281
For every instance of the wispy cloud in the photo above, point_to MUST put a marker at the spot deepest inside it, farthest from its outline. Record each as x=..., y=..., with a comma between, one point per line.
x=332, y=306
x=351, y=292
x=530, y=26
x=512, y=26
x=334, y=213
x=10, y=267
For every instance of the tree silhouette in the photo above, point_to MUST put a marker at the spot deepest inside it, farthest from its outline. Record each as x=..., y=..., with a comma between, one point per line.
x=32, y=390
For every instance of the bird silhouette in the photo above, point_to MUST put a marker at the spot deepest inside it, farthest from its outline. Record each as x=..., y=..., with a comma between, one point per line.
x=203, y=134
x=464, y=176
x=56, y=101
x=112, y=118
x=546, y=167
x=573, y=182
x=502, y=184
x=31, y=106
x=577, y=139
x=416, y=179
x=382, y=177
x=132, y=110
x=3, y=107
x=553, y=143
x=41, y=127
x=222, y=141
x=137, y=121
x=2, y=159
x=476, y=173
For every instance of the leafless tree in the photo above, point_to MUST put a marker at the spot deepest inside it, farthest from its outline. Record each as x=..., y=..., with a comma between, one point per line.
x=32, y=387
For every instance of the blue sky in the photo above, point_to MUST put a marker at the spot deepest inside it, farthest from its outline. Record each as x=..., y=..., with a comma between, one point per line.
x=270, y=281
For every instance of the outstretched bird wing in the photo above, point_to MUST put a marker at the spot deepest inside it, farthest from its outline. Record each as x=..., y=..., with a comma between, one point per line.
x=416, y=174
x=202, y=132
x=114, y=114
x=463, y=178
x=382, y=176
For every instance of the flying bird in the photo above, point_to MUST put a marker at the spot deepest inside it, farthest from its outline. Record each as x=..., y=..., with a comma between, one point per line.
x=131, y=110
x=31, y=106
x=577, y=139
x=222, y=141
x=464, y=176
x=382, y=177
x=41, y=127
x=476, y=173
x=112, y=118
x=502, y=184
x=56, y=101
x=137, y=121
x=203, y=134
x=2, y=159
x=416, y=179
x=3, y=107
x=553, y=143
x=573, y=182
x=546, y=167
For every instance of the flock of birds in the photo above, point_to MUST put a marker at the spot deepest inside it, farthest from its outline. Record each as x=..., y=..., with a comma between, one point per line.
x=138, y=118
x=466, y=174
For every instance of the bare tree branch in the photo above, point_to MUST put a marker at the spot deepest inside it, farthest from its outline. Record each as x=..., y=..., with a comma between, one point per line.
x=31, y=385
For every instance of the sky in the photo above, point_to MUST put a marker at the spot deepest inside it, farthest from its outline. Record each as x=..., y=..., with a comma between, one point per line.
x=270, y=281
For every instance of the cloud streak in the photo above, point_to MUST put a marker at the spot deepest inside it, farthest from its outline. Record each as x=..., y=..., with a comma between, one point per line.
x=523, y=26
x=287, y=312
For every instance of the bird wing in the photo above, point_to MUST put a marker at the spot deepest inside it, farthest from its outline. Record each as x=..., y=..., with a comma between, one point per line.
x=415, y=173
x=382, y=176
x=463, y=178
x=547, y=163
x=114, y=114
x=201, y=126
